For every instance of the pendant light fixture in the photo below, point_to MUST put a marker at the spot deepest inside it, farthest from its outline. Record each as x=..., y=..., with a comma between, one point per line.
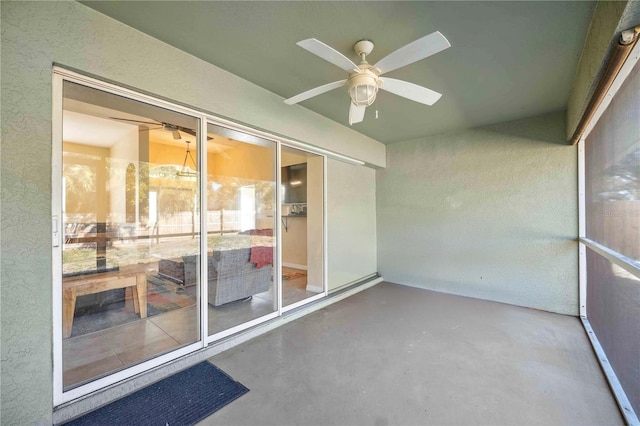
x=186, y=171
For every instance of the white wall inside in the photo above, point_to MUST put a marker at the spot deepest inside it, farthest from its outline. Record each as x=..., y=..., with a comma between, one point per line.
x=123, y=153
x=315, y=229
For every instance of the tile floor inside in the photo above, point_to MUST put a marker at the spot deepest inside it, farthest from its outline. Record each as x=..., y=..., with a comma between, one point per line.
x=95, y=354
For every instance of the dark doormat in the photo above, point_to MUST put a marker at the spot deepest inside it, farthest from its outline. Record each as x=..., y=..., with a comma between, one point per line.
x=182, y=399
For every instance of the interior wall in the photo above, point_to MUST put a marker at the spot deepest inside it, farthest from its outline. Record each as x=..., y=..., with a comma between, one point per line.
x=37, y=35
x=294, y=238
x=122, y=153
x=351, y=223
x=489, y=213
x=160, y=153
x=244, y=161
x=315, y=225
x=294, y=243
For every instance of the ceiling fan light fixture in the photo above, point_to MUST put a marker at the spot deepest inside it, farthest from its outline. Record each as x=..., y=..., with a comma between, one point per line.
x=363, y=88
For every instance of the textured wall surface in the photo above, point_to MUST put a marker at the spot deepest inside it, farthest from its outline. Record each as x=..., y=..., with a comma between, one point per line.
x=351, y=222
x=35, y=36
x=488, y=213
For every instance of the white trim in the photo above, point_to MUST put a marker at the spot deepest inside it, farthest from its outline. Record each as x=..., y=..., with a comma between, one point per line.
x=277, y=271
x=294, y=266
x=325, y=229
x=626, y=263
x=321, y=151
x=582, y=226
x=241, y=327
x=202, y=294
x=302, y=302
x=621, y=397
x=56, y=210
x=315, y=289
x=624, y=72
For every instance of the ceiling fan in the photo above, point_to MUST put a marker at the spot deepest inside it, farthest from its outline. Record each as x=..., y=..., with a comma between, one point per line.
x=364, y=79
x=164, y=126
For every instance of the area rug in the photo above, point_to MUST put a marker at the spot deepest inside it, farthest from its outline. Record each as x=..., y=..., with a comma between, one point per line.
x=162, y=296
x=292, y=274
x=182, y=399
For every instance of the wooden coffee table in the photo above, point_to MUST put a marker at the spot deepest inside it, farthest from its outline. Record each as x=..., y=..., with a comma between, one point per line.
x=130, y=277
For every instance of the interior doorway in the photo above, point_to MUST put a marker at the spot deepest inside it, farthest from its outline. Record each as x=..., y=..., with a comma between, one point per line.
x=302, y=189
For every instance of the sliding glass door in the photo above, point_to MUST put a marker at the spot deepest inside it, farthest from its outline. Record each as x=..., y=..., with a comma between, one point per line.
x=170, y=232
x=131, y=234
x=302, y=193
x=241, y=212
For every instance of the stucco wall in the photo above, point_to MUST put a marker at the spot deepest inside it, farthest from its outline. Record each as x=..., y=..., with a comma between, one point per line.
x=35, y=35
x=488, y=213
x=351, y=223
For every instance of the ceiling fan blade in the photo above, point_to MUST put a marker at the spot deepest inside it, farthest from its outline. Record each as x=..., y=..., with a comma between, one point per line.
x=413, y=52
x=187, y=131
x=176, y=134
x=327, y=53
x=314, y=92
x=138, y=121
x=356, y=113
x=410, y=91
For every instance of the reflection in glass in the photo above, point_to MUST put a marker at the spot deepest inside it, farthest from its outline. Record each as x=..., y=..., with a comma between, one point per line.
x=240, y=213
x=128, y=213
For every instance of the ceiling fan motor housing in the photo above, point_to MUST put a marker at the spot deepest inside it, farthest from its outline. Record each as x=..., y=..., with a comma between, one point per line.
x=363, y=47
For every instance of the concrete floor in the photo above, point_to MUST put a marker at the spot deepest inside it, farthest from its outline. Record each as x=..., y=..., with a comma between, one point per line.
x=395, y=355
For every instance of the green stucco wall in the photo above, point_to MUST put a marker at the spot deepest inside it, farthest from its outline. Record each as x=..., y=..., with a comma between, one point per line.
x=35, y=36
x=489, y=213
x=351, y=199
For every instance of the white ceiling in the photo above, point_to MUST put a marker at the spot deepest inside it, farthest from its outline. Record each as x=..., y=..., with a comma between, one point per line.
x=508, y=60
x=95, y=131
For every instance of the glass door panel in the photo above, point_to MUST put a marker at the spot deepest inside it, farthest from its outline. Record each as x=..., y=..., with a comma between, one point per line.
x=131, y=233
x=240, y=215
x=302, y=183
